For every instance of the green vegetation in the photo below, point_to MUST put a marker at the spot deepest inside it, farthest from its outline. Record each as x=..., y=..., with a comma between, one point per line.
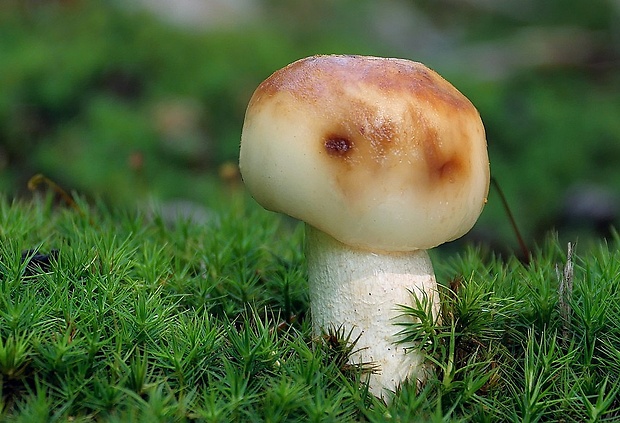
x=135, y=319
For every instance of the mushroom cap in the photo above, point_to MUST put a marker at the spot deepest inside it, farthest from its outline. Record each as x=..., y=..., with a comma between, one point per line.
x=381, y=154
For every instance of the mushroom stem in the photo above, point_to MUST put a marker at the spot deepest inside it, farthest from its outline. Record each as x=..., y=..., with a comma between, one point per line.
x=360, y=291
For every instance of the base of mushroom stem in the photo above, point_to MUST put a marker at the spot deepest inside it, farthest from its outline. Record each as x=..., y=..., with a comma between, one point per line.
x=360, y=292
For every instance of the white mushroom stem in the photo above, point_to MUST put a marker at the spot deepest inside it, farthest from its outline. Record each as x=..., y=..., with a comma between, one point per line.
x=360, y=291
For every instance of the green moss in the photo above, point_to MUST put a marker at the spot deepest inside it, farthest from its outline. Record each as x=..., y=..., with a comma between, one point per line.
x=139, y=317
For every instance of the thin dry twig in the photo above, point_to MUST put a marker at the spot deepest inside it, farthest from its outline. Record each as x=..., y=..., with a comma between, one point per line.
x=525, y=251
x=39, y=179
x=566, y=290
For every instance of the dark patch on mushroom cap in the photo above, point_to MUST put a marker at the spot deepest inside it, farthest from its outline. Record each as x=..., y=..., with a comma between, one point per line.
x=338, y=146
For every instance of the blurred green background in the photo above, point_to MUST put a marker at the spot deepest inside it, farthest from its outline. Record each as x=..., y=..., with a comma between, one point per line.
x=141, y=101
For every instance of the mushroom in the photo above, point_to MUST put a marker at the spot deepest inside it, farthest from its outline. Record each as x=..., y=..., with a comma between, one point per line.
x=382, y=159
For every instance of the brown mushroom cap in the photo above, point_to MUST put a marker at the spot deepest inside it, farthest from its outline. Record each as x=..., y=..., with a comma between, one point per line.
x=381, y=154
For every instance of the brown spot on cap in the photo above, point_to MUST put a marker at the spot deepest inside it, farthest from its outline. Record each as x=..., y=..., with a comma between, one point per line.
x=445, y=163
x=338, y=146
